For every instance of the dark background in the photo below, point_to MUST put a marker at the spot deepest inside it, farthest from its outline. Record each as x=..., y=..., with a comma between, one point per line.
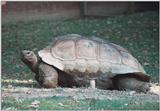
x=26, y=11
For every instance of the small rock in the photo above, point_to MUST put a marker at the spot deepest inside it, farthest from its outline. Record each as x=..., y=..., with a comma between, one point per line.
x=146, y=64
x=109, y=98
x=35, y=102
x=155, y=89
x=32, y=106
x=126, y=104
x=28, y=92
x=60, y=104
x=30, y=81
x=132, y=92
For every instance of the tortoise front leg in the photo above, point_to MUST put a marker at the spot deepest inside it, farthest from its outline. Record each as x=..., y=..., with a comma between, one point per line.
x=48, y=76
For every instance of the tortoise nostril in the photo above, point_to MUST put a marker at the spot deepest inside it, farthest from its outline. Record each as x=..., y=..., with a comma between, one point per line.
x=28, y=52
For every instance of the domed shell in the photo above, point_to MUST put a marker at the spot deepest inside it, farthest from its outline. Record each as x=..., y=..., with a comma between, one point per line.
x=73, y=53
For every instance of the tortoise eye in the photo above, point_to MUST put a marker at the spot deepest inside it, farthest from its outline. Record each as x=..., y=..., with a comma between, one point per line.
x=28, y=52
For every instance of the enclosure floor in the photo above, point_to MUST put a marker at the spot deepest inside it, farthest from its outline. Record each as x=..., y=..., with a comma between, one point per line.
x=126, y=99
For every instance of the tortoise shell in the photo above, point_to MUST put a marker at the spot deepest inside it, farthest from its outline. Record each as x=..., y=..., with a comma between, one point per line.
x=73, y=53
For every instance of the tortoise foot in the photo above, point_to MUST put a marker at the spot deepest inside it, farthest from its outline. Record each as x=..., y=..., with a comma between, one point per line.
x=128, y=83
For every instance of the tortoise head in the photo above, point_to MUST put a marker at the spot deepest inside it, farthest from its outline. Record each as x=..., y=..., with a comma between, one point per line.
x=30, y=58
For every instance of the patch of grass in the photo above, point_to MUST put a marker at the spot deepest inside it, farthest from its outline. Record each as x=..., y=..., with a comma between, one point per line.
x=55, y=103
x=139, y=33
x=60, y=103
x=123, y=105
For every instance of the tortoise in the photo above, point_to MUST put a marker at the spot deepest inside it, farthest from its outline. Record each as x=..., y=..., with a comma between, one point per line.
x=72, y=60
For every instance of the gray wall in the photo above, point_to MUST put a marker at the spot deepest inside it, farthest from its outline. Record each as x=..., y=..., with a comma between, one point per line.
x=25, y=11
x=105, y=9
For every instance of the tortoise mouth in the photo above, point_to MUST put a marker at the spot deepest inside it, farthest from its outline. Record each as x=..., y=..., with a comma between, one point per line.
x=29, y=58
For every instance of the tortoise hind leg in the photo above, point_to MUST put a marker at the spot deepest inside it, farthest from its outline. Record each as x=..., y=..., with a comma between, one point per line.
x=48, y=76
x=128, y=83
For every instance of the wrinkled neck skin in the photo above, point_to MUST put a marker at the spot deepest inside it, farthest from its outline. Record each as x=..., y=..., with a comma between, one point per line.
x=33, y=65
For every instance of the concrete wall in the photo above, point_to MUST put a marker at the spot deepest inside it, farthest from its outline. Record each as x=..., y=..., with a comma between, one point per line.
x=104, y=9
x=24, y=11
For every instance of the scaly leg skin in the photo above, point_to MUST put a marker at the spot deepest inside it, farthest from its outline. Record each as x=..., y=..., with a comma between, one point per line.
x=48, y=76
x=127, y=83
x=104, y=82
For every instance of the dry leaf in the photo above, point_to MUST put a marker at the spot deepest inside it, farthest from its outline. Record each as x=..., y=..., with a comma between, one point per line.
x=34, y=104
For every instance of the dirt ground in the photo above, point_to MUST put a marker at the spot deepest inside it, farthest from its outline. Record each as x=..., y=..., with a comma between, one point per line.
x=83, y=98
x=75, y=93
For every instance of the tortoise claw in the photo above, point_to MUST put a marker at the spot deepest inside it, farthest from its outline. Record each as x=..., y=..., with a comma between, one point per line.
x=145, y=87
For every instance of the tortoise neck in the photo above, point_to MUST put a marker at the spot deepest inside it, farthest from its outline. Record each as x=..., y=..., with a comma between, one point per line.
x=33, y=65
